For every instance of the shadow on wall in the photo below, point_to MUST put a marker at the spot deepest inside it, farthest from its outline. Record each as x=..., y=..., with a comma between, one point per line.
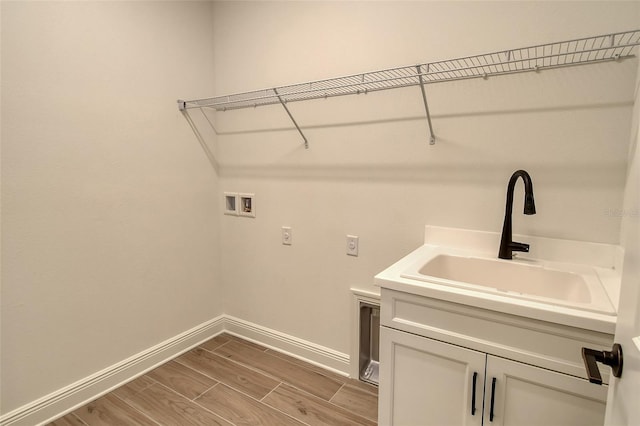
x=477, y=170
x=592, y=176
x=461, y=114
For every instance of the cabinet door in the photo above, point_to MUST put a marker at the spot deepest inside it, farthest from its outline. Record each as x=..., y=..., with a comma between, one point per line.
x=527, y=395
x=426, y=382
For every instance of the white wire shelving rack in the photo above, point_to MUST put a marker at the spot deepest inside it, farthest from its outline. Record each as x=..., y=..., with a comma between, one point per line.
x=589, y=50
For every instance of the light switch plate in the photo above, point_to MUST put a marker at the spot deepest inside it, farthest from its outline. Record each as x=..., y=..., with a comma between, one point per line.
x=287, y=235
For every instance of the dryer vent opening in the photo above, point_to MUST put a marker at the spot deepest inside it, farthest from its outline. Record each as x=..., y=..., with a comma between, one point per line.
x=369, y=343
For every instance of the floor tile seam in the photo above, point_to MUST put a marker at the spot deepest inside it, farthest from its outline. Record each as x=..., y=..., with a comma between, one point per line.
x=333, y=404
x=280, y=380
x=206, y=390
x=200, y=396
x=371, y=419
x=277, y=354
x=336, y=392
x=259, y=401
x=315, y=369
x=247, y=343
x=145, y=375
x=232, y=387
x=352, y=412
x=356, y=388
x=229, y=384
x=270, y=392
x=277, y=409
x=135, y=408
x=275, y=377
x=200, y=406
x=77, y=418
x=285, y=381
x=200, y=371
x=208, y=409
x=235, y=339
x=309, y=393
x=197, y=371
x=250, y=367
x=266, y=351
x=211, y=350
x=361, y=389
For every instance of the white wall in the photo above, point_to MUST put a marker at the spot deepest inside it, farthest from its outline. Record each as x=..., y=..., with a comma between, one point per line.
x=369, y=170
x=112, y=229
x=109, y=233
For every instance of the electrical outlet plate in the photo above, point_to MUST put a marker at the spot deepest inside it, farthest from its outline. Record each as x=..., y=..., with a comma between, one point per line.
x=287, y=235
x=352, y=245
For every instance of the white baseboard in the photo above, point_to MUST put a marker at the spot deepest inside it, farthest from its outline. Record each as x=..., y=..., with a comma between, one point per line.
x=86, y=390
x=322, y=356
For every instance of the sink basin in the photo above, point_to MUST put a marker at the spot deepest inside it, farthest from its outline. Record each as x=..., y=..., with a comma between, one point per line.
x=575, y=286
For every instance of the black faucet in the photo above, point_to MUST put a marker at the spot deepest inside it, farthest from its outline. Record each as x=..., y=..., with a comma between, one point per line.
x=507, y=246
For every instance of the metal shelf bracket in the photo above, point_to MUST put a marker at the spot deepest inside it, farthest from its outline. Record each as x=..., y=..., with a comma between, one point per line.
x=284, y=105
x=432, y=138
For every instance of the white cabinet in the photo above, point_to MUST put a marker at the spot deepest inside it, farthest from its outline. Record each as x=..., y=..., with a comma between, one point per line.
x=445, y=374
x=528, y=395
x=424, y=382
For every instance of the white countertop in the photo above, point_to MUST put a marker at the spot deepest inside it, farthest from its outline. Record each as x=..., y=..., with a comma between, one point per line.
x=602, y=258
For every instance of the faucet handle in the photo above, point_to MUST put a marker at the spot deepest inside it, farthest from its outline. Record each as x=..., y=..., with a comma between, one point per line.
x=514, y=246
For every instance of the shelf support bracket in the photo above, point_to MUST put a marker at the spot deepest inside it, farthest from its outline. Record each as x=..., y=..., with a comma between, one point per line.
x=306, y=143
x=432, y=138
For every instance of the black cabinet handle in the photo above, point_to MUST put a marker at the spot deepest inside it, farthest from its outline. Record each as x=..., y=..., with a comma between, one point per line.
x=473, y=394
x=493, y=398
x=611, y=358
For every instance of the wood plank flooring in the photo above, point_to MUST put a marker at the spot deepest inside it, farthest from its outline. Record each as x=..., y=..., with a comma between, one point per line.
x=229, y=381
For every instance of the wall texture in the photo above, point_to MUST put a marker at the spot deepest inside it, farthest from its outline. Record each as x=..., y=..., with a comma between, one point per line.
x=369, y=170
x=113, y=237
x=109, y=233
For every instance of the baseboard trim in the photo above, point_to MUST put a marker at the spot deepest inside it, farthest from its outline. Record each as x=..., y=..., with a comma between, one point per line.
x=310, y=352
x=67, y=399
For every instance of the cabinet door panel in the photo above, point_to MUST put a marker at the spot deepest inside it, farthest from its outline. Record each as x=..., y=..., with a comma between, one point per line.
x=526, y=395
x=426, y=382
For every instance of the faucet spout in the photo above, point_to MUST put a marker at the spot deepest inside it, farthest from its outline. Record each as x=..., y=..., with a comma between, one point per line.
x=507, y=245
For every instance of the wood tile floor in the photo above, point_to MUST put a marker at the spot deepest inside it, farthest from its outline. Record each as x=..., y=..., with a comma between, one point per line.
x=230, y=381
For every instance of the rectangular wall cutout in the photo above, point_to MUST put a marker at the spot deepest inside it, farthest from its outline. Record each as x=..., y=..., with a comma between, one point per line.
x=231, y=203
x=247, y=205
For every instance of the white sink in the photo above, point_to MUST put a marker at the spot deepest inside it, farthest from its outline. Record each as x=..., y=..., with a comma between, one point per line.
x=575, y=286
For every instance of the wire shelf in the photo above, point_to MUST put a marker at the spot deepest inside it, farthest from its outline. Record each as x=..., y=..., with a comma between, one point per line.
x=608, y=47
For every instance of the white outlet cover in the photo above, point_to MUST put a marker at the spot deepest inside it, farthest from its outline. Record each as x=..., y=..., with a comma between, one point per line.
x=352, y=245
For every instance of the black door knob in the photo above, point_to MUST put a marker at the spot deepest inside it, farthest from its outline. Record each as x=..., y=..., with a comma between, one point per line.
x=611, y=358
